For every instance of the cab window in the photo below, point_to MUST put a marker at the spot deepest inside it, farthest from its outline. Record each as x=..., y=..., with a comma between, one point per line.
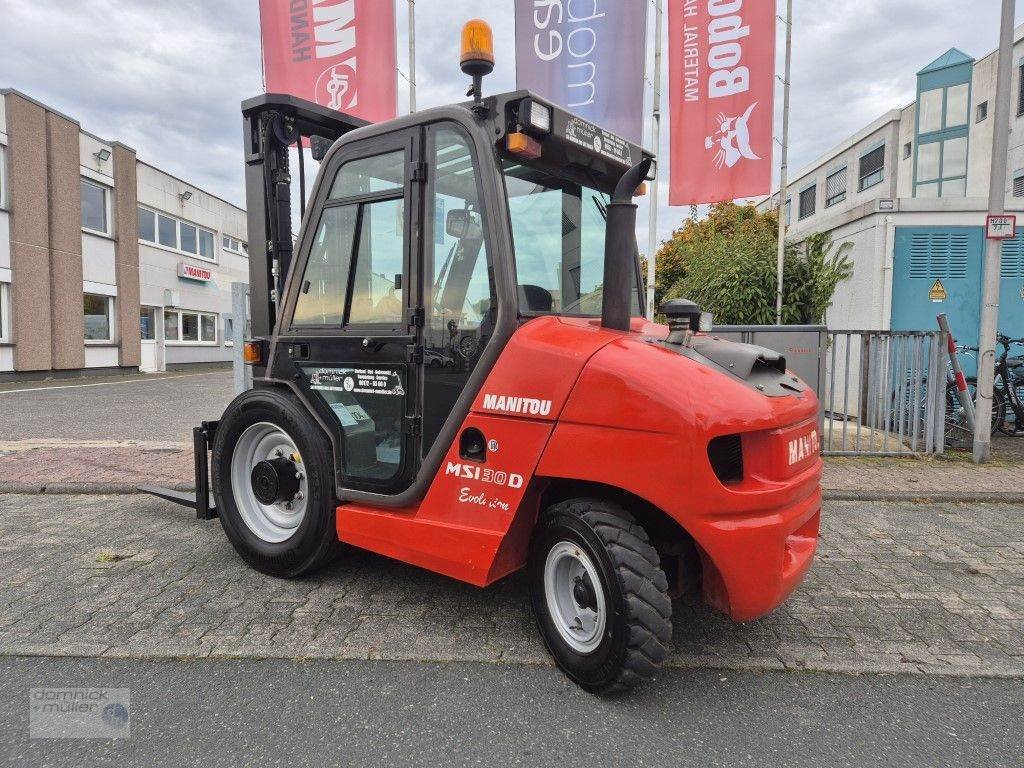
x=558, y=228
x=354, y=272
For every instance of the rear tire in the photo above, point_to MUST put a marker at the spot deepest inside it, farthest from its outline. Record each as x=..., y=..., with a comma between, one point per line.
x=599, y=595
x=283, y=540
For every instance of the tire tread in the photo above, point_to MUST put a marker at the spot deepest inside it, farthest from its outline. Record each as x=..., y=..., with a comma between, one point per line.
x=642, y=581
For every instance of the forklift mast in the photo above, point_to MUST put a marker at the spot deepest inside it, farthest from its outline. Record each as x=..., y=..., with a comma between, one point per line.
x=273, y=123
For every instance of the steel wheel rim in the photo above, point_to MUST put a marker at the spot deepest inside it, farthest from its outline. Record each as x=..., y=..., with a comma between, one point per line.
x=272, y=523
x=581, y=626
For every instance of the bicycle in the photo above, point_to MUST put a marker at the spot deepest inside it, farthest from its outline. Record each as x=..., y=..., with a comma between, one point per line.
x=1009, y=380
x=958, y=434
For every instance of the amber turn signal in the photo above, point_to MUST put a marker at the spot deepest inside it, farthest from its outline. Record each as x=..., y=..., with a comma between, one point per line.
x=253, y=353
x=641, y=190
x=525, y=146
x=477, y=47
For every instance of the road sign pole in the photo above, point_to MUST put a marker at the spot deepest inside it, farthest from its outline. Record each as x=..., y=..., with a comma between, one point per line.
x=994, y=247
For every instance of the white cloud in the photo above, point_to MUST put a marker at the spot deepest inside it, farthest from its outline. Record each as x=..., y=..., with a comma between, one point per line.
x=168, y=77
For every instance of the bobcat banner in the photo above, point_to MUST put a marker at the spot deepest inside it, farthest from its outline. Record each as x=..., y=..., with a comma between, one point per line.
x=338, y=53
x=587, y=56
x=721, y=99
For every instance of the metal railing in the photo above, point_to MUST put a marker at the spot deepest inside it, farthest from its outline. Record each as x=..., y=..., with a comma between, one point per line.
x=885, y=393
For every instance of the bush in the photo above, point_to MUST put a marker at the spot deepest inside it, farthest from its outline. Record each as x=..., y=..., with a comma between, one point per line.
x=727, y=264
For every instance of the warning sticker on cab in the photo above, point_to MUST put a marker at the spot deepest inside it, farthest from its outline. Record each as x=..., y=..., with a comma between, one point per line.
x=357, y=381
x=590, y=137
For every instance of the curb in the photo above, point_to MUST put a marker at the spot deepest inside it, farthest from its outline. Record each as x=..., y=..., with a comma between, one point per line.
x=121, y=489
x=979, y=497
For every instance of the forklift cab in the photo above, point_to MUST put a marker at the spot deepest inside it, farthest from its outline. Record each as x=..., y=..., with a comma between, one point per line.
x=426, y=242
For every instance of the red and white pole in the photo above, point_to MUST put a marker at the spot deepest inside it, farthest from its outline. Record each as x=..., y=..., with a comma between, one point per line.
x=958, y=372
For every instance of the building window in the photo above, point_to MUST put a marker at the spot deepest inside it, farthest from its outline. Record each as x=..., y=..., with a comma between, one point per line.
x=1020, y=92
x=835, y=188
x=942, y=168
x=98, y=312
x=3, y=176
x=908, y=150
x=1018, y=184
x=981, y=113
x=184, y=327
x=943, y=108
x=178, y=235
x=95, y=208
x=808, y=201
x=872, y=168
x=5, y=317
x=147, y=226
x=147, y=323
x=235, y=246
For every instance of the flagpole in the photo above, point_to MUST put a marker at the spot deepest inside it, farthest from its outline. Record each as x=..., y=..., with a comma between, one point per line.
x=412, y=56
x=781, y=258
x=652, y=235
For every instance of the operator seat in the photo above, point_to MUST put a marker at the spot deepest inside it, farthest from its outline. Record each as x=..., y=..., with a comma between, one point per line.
x=533, y=298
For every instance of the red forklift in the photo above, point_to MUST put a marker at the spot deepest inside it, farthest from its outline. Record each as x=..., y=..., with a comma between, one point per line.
x=451, y=368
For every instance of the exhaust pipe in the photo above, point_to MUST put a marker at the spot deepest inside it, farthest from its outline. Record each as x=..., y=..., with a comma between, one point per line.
x=620, y=249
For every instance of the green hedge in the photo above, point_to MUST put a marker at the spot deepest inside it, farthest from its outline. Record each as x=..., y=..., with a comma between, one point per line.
x=727, y=264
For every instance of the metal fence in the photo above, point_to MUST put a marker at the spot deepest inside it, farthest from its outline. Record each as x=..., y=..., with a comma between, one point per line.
x=885, y=393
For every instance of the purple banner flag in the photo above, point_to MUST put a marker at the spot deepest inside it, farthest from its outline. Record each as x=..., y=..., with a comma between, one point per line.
x=587, y=56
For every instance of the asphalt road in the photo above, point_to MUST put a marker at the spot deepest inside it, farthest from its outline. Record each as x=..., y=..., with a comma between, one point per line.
x=154, y=407
x=359, y=713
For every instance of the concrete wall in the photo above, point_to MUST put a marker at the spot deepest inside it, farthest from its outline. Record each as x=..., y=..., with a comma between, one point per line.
x=65, y=223
x=885, y=131
x=30, y=256
x=127, y=256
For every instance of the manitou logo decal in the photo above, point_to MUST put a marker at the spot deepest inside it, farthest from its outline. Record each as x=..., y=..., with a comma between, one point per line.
x=732, y=139
x=803, y=447
x=484, y=475
x=524, y=405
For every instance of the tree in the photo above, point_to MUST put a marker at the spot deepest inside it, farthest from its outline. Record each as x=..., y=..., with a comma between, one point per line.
x=727, y=264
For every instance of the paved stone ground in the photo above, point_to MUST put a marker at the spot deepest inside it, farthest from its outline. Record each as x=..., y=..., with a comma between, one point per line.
x=118, y=467
x=897, y=588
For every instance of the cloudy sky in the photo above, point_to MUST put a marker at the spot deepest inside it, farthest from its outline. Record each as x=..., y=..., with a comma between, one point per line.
x=167, y=77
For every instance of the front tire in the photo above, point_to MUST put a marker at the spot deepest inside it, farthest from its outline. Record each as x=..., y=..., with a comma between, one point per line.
x=291, y=535
x=599, y=595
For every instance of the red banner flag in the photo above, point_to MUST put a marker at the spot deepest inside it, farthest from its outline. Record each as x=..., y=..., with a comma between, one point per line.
x=339, y=53
x=722, y=99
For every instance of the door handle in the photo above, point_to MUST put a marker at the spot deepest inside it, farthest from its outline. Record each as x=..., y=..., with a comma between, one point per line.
x=298, y=351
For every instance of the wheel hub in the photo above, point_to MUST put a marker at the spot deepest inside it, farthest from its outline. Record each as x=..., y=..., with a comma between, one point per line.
x=583, y=593
x=275, y=481
x=269, y=482
x=575, y=597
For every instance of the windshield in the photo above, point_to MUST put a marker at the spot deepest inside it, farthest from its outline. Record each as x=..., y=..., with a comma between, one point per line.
x=558, y=229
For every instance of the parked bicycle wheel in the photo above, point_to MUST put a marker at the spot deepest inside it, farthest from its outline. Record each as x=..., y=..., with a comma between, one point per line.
x=958, y=434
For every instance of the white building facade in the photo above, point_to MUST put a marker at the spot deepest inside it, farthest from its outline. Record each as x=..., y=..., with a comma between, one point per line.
x=107, y=264
x=910, y=192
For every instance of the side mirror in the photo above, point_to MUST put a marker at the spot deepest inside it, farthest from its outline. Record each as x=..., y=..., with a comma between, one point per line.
x=319, y=146
x=463, y=224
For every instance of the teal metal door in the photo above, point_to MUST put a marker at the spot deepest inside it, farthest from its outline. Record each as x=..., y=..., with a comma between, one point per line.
x=1011, y=293
x=938, y=269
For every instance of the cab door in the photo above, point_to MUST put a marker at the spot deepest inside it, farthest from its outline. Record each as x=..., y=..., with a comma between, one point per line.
x=351, y=324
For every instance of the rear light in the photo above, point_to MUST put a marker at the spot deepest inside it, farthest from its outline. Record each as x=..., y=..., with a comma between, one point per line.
x=253, y=353
x=726, y=456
